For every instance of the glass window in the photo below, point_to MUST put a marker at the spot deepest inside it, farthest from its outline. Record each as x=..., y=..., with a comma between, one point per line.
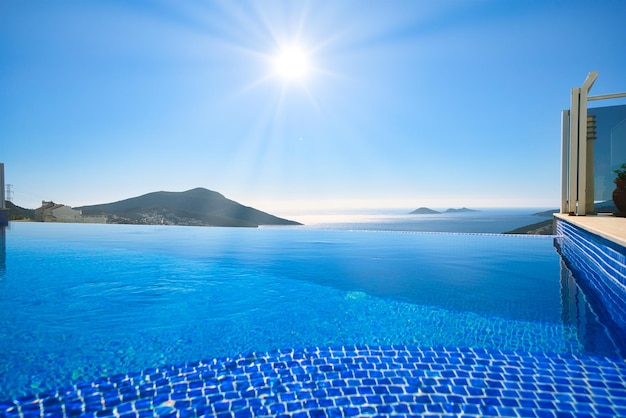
x=609, y=148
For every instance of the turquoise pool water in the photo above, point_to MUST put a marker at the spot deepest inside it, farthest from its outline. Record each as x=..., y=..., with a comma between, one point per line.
x=112, y=320
x=83, y=301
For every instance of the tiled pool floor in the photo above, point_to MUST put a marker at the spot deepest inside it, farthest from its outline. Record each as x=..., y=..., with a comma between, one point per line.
x=352, y=381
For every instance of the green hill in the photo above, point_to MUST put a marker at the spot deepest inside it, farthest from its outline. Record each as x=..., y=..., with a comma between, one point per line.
x=540, y=228
x=17, y=213
x=194, y=207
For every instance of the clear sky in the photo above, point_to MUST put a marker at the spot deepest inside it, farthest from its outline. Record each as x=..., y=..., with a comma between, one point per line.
x=403, y=104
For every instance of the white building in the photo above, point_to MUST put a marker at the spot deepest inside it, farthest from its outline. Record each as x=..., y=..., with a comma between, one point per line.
x=54, y=212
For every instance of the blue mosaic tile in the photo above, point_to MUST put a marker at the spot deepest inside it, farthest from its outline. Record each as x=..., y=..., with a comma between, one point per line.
x=307, y=383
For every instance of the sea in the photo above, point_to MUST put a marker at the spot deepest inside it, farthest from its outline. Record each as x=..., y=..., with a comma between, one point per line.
x=485, y=220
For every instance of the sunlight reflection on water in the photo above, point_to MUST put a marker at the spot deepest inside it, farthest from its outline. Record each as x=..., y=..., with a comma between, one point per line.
x=492, y=221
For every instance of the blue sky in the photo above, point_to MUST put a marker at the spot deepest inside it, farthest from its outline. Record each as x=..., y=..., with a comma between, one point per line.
x=405, y=104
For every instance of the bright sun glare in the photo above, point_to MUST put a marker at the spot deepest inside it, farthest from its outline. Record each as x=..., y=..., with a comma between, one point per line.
x=292, y=63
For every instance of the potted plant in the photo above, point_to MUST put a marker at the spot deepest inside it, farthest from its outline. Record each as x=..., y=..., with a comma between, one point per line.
x=619, y=194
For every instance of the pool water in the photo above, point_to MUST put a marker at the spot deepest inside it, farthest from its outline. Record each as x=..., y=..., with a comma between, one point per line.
x=83, y=301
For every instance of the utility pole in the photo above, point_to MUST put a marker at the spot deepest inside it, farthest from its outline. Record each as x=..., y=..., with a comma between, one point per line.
x=4, y=212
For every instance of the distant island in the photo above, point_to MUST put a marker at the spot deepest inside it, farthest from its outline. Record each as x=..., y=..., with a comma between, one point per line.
x=462, y=210
x=196, y=207
x=424, y=211
x=427, y=211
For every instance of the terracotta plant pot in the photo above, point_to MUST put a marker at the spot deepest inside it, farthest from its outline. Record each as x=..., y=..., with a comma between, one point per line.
x=619, y=198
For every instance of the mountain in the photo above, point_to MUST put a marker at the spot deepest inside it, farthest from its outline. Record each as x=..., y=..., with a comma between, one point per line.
x=546, y=213
x=540, y=228
x=547, y=228
x=194, y=207
x=424, y=211
x=462, y=210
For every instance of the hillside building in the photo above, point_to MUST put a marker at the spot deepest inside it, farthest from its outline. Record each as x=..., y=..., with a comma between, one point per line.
x=54, y=212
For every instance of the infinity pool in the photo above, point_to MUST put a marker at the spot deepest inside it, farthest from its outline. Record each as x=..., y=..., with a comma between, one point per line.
x=83, y=303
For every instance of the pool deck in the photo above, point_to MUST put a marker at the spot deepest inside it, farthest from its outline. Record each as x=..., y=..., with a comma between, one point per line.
x=607, y=226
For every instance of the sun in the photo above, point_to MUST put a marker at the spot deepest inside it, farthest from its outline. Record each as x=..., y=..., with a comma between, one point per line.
x=292, y=63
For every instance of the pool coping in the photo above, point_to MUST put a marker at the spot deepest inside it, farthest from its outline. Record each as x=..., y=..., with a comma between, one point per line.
x=604, y=225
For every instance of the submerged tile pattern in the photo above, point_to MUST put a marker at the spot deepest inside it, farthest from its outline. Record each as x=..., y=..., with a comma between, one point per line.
x=351, y=381
x=600, y=266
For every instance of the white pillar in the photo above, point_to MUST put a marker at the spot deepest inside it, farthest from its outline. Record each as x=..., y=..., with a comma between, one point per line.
x=578, y=193
x=573, y=151
x=582, y=144
x=565, y=161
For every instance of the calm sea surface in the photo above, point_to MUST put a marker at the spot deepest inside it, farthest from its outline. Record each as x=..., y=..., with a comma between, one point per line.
x=492, y=221
x=83, y=301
